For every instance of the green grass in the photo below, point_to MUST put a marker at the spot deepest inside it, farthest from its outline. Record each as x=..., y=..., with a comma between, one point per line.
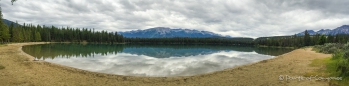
x=328, y=68
x=337, y=66
x=332, y=70
x=319, y=62
x=2, y=45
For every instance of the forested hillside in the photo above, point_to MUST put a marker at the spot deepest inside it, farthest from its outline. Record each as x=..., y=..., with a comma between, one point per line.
x=37, y=33
x=7, y=22
x=186, y=40
x=299, y=41
x=4, y=30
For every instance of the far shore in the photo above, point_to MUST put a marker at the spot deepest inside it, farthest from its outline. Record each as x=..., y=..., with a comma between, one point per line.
x=21, y=69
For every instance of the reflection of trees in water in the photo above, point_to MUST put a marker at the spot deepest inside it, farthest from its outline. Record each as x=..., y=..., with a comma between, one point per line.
x=70, y=50
x=159, y=51
x=272, y=51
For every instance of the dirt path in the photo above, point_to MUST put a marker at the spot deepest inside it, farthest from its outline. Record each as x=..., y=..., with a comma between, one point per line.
x=21, y=70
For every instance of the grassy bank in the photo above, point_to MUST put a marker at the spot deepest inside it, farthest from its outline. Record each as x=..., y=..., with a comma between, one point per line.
x=337, y=65
x=328, y=68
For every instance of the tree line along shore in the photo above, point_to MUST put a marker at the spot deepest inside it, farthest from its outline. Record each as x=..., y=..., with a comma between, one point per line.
x=37, y=33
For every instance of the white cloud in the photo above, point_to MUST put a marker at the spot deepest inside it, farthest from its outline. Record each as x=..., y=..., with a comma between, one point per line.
x=249, y=18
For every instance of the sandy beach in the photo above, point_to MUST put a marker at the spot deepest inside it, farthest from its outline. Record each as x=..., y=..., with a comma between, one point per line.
x=20, y=69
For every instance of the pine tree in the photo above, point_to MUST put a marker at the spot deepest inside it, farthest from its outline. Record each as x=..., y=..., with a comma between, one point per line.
x=306, y=38
x=37, y=36
x=11, y=30
x=4, y=30
x=322, y=40
x=17, y=33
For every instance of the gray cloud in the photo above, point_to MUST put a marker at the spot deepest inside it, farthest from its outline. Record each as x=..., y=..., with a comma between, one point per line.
x=251, y=18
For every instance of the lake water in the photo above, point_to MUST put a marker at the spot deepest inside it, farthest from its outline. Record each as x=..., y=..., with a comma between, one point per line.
x=151, y=60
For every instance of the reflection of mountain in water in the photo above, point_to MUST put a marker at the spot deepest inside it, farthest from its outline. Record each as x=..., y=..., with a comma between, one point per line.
x=157, y=51
x=166, y=51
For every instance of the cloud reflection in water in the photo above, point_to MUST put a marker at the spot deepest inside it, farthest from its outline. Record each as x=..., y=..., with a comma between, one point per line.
x=142, y=65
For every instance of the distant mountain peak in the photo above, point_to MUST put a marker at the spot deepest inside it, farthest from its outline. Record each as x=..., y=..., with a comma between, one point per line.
x=160, y=28
x=166, y=32
x=324, y=30
x=344, y=26
x=8, y=22
x=344, y=29
x=311, y=32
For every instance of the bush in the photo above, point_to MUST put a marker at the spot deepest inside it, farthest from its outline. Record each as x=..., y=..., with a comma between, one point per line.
x=346, y=46
x=337, y=55
x=343, y=67
x=329, y=48
x=346, y=55
x=332, y=50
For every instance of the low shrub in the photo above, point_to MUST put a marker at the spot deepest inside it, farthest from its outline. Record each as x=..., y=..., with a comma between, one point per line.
x=330, y=48
x=343, y=67
x=346, y=55
x=337, y=55
x=346, y=46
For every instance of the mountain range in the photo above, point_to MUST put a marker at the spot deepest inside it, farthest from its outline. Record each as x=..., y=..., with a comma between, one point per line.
x=165, y=32
x=7, y=22
x=344, y=29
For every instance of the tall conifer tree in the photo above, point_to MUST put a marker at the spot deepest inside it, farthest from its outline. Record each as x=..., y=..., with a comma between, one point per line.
x=4, y=30
x=306, y=38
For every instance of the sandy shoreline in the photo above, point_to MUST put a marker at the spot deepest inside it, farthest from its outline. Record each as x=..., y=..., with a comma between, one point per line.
x=21, y=70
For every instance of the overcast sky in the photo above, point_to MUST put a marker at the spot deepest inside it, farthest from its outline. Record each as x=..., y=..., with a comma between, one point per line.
x=247, y=18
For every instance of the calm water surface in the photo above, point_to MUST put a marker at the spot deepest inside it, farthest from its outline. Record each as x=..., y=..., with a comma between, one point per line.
x=151, y=60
